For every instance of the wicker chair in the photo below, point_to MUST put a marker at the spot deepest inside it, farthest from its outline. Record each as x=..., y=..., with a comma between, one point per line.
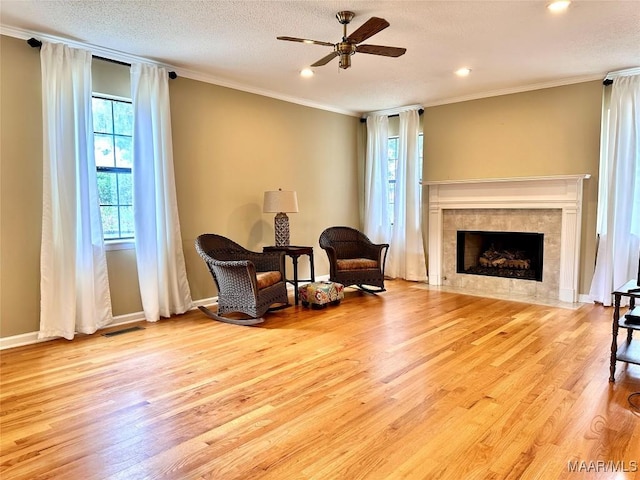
x=353, y=259
x=247, y=282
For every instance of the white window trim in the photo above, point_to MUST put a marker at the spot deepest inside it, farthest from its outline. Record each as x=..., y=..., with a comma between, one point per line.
x=120, y=244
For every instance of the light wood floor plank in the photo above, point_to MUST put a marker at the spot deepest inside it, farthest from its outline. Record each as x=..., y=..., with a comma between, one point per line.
x=414, y=383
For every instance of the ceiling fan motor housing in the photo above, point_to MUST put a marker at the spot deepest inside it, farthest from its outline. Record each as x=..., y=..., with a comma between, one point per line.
x=345, y=49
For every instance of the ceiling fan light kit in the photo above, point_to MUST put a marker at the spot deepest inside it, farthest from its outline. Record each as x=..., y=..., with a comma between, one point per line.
x=351, y=44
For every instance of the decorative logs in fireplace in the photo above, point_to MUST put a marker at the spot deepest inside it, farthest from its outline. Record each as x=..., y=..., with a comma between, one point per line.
x=504, y=259
x=500, y=254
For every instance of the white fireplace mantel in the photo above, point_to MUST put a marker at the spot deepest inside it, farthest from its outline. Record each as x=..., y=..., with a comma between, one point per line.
x=553, y=192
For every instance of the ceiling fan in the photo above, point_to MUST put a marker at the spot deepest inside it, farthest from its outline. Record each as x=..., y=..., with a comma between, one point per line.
x=350, y=44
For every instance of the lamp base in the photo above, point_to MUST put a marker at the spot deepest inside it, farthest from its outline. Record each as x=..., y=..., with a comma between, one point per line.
x=281, y=226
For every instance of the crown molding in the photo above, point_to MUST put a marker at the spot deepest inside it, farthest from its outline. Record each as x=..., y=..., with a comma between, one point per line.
x=185, y=73
x=519, y=89
x=206, y=78
x=222, y=82
x=623, y=73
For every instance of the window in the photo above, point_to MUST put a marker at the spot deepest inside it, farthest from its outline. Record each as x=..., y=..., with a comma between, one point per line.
x=392, y=159
x=112, y=127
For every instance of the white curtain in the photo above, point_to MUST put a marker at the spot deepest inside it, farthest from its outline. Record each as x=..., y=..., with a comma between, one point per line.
x=376, y=216
x=162, y=275
x=406, y=254
x=74, y=285
x=619, y=191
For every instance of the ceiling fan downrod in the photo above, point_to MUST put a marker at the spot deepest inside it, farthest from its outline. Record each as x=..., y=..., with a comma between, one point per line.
x=345, y=48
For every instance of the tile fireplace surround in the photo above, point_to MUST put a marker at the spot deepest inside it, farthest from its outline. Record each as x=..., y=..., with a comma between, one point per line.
x=548, y=205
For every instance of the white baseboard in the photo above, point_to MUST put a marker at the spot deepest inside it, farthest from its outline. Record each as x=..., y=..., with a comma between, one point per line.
x=584, y=298
x=32, y=337
x=20, y=340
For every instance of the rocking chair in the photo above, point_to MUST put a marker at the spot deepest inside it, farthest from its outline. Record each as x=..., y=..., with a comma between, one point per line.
x=354, y=259
x=247, y=282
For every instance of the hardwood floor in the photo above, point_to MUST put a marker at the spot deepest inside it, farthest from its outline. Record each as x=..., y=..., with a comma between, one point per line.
x=411, y=384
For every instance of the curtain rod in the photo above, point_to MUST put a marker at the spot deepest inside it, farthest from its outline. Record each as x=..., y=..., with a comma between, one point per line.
x=364, y=119
x=35, y=43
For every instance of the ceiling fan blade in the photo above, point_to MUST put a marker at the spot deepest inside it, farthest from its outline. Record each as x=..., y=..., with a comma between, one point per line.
x=305, y=40
x=381, y=50
x=368, y=29
x=325, y=60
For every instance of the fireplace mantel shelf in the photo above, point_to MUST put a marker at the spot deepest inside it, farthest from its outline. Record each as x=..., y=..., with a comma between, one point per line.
x=562, y=192
x=582, y=176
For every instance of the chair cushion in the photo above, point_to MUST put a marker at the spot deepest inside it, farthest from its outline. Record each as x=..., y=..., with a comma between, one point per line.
x=356, y=264
x=266, y=279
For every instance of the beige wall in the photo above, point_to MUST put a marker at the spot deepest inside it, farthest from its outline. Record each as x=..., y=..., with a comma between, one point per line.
x=229, y=147
x=553, y=131
x=20, y=186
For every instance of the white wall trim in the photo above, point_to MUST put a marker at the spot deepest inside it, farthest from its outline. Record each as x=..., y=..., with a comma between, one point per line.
x=207, y=78
x=623, y=73
x=32, y=337
x=584, y=298
x=182, y=72
x=519, y=89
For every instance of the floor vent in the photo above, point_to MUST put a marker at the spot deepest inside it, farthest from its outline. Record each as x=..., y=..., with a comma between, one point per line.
x=120, y=332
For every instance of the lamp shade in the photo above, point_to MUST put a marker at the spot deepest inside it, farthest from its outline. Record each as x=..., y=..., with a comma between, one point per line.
x=277, y=201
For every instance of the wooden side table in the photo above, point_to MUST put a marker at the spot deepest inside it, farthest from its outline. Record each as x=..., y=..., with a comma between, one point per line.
x=629, y=351
x=295, y=252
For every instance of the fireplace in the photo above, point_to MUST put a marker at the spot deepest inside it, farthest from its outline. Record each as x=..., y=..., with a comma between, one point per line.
x=516, y=255
x=548, y=205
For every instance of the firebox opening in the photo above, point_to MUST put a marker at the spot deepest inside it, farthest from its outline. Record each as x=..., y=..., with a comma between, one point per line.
x=500, y=254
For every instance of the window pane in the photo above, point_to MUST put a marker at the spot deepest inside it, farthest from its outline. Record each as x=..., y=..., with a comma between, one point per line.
x=391, y=174
x=393, y=149
x=102, y=118
x=104, y=152
x=113, y=126
x=126, y=222
x=107, y=188
x=124, y=155
x=110, y=226
x=125, y=189
x=122, y=118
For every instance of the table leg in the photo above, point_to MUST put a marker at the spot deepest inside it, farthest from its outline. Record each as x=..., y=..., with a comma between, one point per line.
x=313, y=274
x=295, y=278
x=632, y=304
x=614, y=339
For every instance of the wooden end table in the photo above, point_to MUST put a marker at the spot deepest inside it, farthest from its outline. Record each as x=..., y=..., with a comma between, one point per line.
x=630, y=350
x=295, y=252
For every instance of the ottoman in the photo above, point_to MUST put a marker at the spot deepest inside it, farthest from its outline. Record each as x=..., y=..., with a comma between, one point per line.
x=319, y=294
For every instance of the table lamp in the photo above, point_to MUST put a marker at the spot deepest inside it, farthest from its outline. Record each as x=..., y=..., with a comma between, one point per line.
x=281, y=202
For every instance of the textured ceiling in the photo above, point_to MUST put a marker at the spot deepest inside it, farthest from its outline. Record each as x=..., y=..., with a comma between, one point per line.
x=510, y=45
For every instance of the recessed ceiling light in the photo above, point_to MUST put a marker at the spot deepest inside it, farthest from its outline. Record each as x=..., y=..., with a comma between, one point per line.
x=306, y=72
x=463, y=72
x=559, y=5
